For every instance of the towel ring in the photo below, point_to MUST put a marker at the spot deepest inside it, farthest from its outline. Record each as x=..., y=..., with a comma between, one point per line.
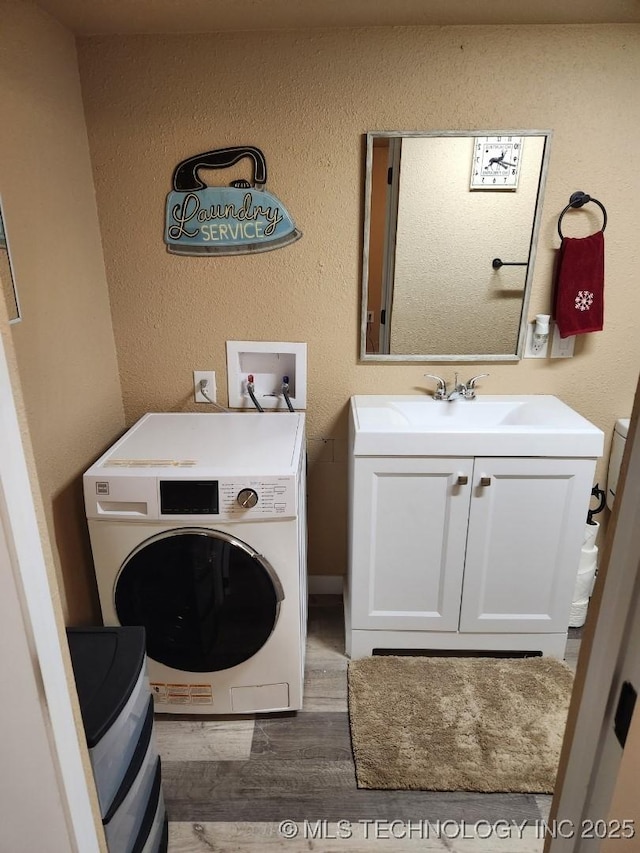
x=578, y=199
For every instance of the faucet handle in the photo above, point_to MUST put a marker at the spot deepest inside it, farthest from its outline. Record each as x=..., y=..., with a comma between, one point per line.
x=471, y=385
x=441, y=391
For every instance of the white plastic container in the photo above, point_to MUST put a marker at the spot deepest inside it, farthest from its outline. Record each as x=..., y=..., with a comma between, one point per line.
x=154, y=839
x=111, y=756
x=113, y=689
x=123, y=827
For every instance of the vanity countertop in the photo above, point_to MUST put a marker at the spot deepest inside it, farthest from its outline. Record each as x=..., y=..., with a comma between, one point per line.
x=489, y=425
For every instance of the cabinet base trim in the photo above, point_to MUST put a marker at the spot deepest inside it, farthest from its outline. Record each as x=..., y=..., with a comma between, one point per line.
x=360, y=644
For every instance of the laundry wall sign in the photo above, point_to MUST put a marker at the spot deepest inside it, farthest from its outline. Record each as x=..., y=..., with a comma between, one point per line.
x=240, y=218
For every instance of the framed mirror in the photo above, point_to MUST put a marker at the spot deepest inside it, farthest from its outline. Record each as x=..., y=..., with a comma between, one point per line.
x=7, y=280
x=450, y=230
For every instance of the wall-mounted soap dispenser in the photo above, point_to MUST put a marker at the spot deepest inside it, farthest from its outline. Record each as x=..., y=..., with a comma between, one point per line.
x=271, y=365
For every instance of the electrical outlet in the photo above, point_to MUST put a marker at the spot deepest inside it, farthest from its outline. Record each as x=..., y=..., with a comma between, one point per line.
x=210, y=377
x=561, y=347
x=534, y=350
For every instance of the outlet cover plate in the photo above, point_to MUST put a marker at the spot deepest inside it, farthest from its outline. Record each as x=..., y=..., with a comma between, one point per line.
x=534, y=352
x=210, y=376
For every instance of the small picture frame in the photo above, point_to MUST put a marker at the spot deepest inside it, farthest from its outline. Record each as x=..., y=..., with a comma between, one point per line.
x=496, y=162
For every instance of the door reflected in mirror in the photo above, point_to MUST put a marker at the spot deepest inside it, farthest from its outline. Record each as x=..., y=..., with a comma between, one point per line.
x=451, y=224
x=7, y=279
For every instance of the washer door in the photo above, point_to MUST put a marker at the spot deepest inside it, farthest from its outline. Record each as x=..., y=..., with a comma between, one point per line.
x=207, y=601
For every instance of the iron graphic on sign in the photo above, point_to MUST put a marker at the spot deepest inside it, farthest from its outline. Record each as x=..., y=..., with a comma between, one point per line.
x=241, y=218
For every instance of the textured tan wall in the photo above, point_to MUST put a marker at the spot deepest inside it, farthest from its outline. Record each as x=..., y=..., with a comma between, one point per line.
x=306, y=99
x=64, y=345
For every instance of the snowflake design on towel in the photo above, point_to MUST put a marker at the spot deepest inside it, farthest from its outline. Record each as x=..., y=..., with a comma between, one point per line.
x=584, y=300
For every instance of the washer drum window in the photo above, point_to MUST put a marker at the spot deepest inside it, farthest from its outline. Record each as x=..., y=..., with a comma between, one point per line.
x=207, y=601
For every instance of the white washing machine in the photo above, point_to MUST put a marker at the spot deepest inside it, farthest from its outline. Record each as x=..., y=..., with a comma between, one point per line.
x=198, y=532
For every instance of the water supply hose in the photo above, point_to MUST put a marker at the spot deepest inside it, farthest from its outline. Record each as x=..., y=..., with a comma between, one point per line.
x=285, y=393
x=250, y=389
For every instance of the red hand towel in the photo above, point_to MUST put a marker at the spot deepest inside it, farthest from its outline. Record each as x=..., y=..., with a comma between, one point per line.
x=579, y=293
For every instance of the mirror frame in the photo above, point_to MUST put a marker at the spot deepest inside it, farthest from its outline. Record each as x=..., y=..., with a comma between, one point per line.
x=391, y=357
x=12, y=274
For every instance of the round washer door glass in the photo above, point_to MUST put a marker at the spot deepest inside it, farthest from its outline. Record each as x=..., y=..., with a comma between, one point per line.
x=207, y=601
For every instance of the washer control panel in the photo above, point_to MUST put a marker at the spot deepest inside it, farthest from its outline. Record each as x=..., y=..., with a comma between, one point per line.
x=193, y=499
x=246, y=497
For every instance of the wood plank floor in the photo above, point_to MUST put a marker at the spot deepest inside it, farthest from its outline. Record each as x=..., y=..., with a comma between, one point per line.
x=230, y=783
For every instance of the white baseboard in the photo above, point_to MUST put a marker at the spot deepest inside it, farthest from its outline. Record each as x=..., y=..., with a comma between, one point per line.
x=325, y=584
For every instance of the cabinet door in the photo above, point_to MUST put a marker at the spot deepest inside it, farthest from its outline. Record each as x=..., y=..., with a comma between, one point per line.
x=408, y=532
x=526, y=528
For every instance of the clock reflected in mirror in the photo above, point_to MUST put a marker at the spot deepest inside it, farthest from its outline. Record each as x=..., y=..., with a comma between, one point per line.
x=496, y=162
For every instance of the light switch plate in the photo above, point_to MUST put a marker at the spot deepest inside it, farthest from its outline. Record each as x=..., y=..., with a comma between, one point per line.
x=561, y=347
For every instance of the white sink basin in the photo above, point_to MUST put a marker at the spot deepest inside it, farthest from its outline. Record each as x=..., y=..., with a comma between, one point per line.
x=526, y=425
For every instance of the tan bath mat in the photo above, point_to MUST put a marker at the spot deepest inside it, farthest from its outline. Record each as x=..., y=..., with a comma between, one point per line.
x=458, y=724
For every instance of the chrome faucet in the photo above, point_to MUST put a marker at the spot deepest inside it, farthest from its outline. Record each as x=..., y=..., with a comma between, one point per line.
x=460, y=391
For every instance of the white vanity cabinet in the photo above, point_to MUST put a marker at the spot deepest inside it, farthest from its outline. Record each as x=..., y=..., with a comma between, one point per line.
x=464, y=553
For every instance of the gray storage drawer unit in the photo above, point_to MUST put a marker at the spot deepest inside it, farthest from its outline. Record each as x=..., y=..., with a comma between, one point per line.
x=109, y=666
